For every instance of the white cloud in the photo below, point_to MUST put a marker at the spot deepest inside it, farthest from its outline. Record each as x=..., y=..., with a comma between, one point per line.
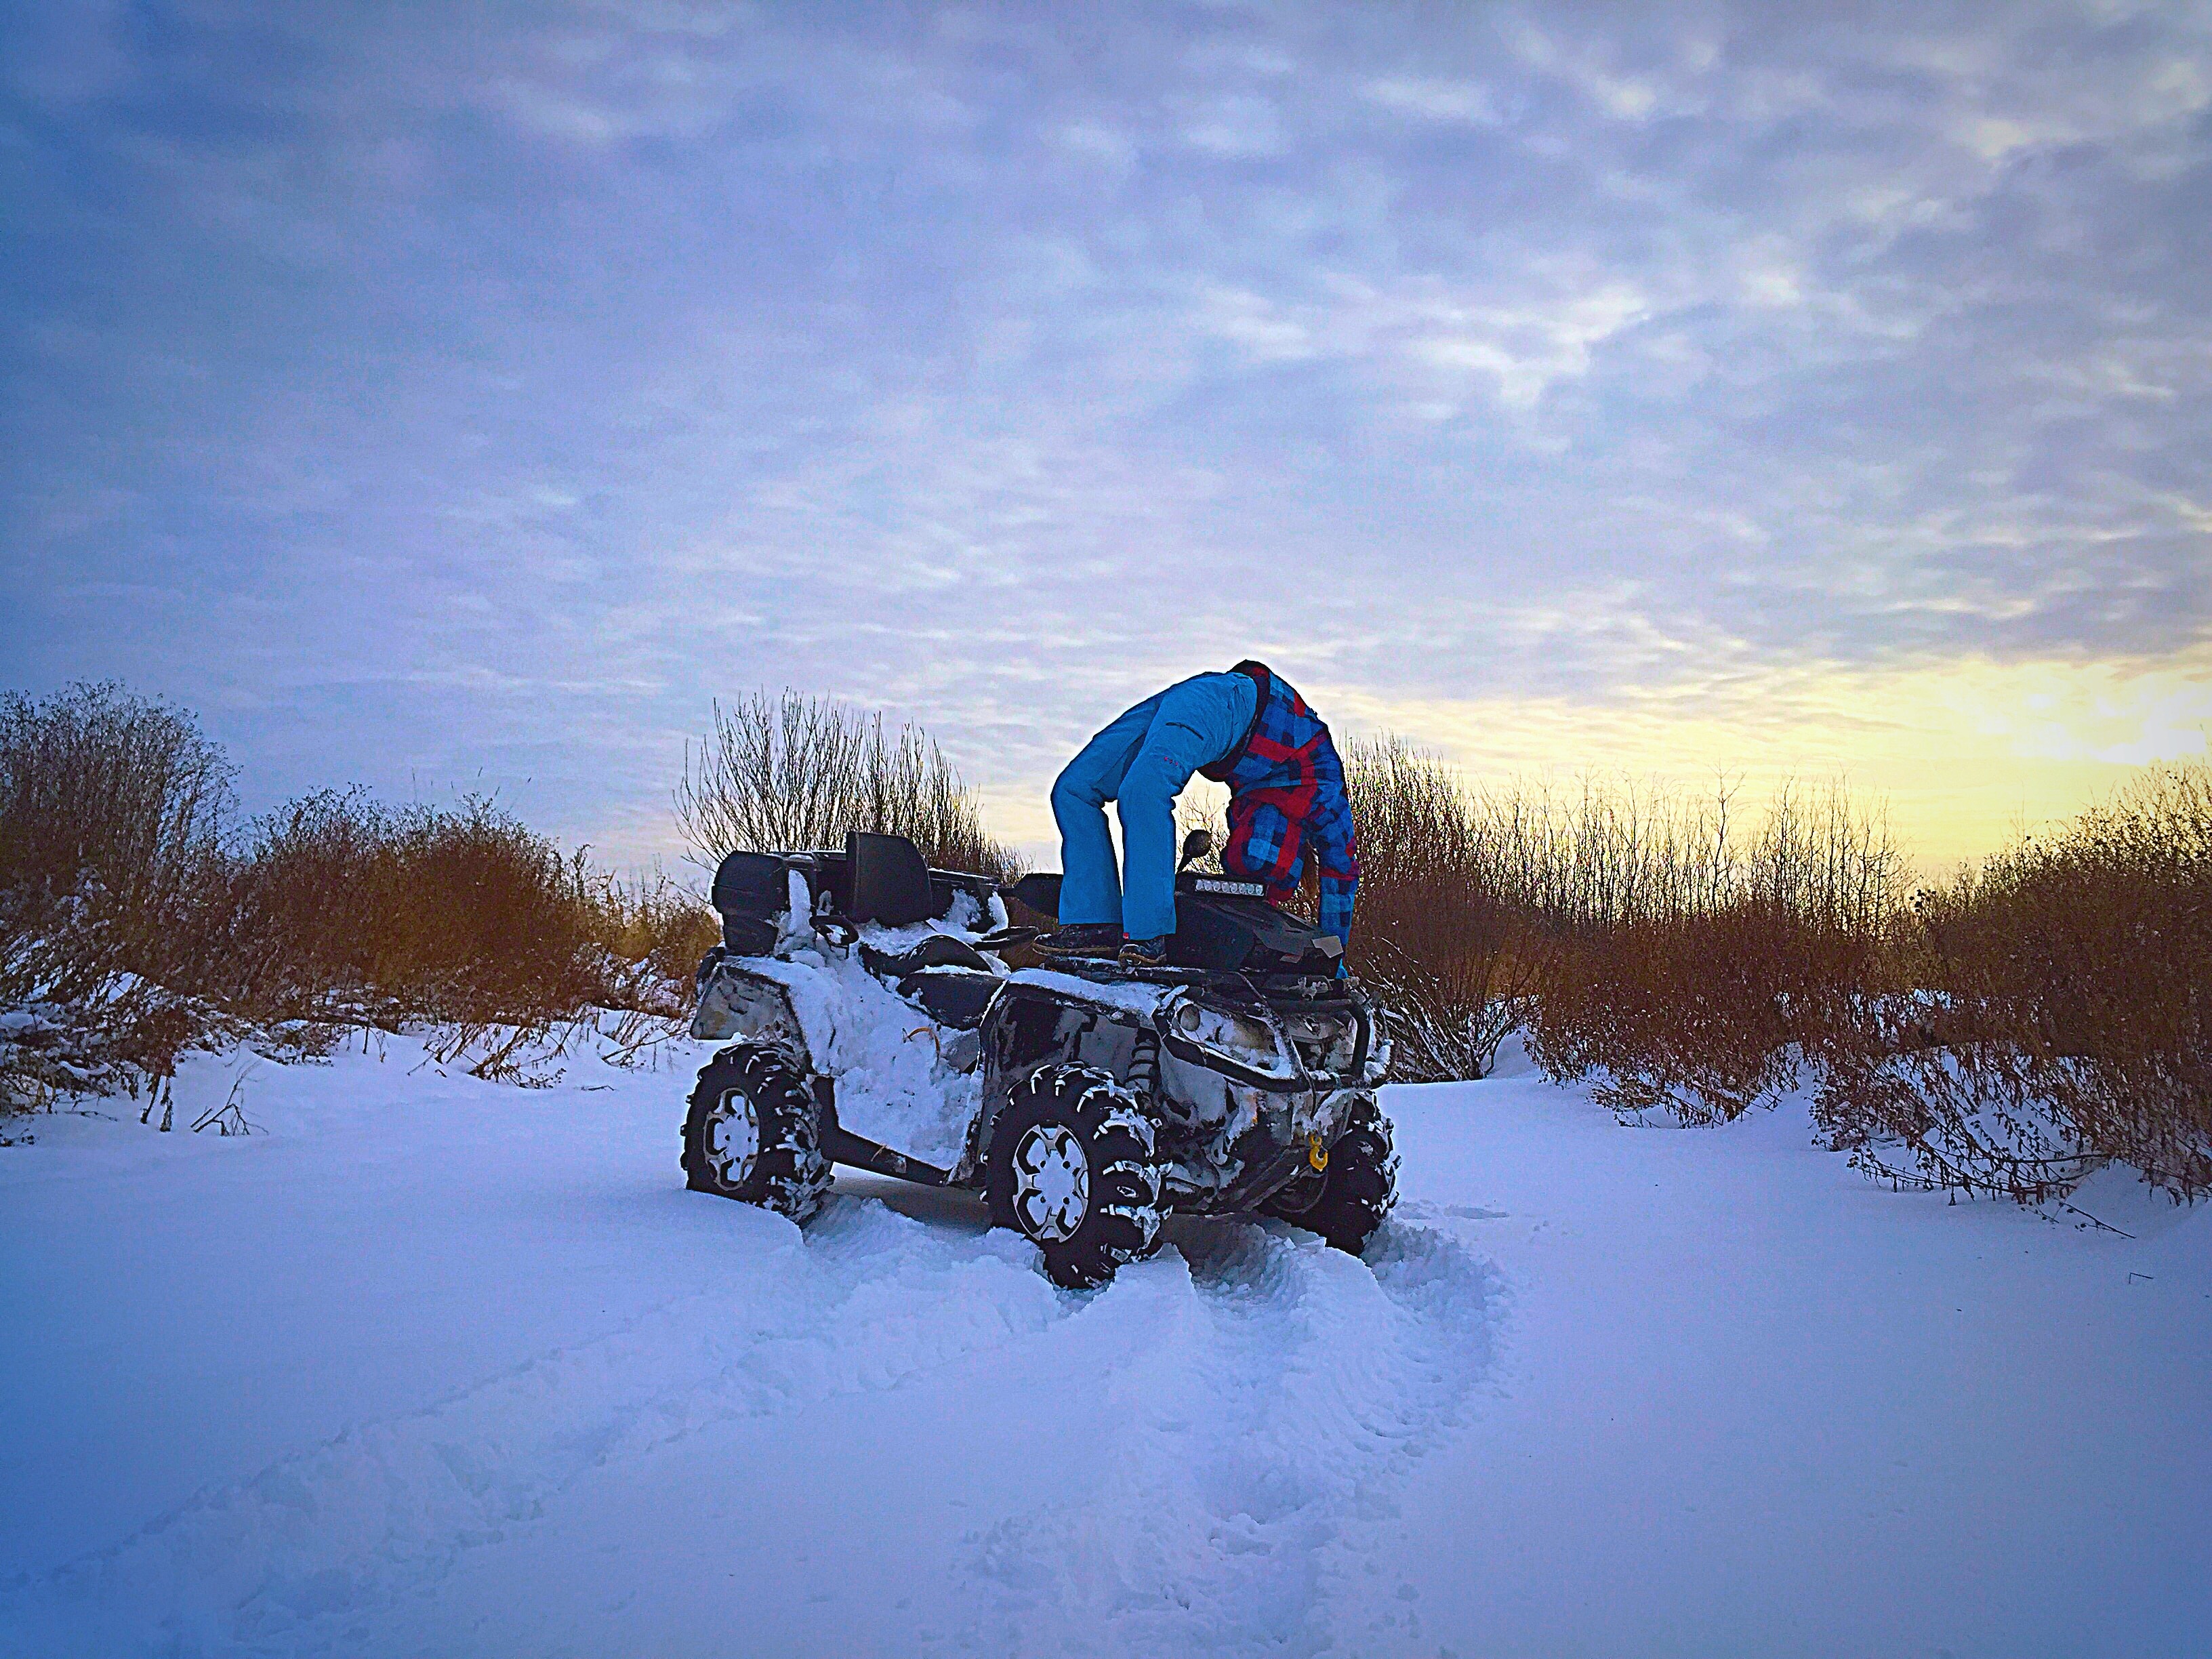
x=1583, y=64
x=1268, y=331
x=1526, y=348
x=1436, y=101
x=1099, y=142
x=1233, y=126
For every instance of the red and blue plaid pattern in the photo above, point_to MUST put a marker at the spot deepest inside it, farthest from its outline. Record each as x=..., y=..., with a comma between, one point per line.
x=1286, y=797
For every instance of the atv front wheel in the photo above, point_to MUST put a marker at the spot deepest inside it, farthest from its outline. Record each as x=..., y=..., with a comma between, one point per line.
x=1072, y=1169
x=752, y=1133
x=1347, y=1201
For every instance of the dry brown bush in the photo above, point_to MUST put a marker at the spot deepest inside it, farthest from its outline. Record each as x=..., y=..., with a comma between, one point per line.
x=2055, y=1015
x=1634, y=934
x=793, y=772
x=657, y=932
x=1455, y=953
x=465, y=920
x=1702, y=1016
x=113, y=814
x=135, y=922
x=415, y=914
x=1695, y=968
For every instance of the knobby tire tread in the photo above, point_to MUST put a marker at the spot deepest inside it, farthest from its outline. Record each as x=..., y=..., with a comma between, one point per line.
x=790, y=1173
x=1358, y=1191
x=1123, y=1223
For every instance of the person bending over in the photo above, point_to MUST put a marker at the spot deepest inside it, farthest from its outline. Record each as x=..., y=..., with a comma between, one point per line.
x=1246, y=728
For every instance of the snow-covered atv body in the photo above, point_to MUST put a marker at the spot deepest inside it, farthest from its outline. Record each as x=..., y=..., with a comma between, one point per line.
x=873, y=1022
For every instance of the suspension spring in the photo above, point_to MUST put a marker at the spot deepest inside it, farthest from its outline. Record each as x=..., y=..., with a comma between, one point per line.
x=1144, y=1067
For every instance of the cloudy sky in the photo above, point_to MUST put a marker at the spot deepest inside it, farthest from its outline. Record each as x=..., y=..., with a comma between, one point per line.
x=464, y=396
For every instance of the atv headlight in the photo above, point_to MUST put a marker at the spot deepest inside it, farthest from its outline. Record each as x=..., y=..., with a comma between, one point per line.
x=1326, y=1043
x=1237, y=1038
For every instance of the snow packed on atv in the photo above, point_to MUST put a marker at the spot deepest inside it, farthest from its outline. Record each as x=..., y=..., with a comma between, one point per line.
x=872, y=1021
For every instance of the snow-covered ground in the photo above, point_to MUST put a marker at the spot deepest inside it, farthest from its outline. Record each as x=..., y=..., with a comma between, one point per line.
x=432, y=1366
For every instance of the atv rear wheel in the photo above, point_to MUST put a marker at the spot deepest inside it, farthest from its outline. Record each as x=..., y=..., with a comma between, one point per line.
x=1346, y=1202
x=1072, y=1169
x=752, y=1134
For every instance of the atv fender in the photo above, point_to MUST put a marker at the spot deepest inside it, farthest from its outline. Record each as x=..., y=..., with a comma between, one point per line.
x=738, y=1006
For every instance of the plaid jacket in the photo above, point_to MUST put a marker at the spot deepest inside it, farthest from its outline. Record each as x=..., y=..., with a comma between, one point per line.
x=1286, y=793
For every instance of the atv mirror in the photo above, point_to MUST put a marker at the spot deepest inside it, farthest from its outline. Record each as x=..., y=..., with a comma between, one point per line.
x=1196, y=845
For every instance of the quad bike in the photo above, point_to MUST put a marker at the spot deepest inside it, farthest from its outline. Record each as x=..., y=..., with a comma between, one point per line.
x=872, y=1021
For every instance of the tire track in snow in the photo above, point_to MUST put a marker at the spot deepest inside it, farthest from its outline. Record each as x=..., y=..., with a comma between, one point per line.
x=1285, y=1390
x=281, y=1563
x=1265, y=1389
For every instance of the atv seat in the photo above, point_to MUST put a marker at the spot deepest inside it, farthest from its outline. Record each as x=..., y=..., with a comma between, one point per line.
x=751, y=890
x=938, y=950
x=876, y=879
x=954, y=997
x=889, y=880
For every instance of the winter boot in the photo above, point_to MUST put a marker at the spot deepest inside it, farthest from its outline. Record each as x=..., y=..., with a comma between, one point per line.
x=1146, y=953
x=1082, y=938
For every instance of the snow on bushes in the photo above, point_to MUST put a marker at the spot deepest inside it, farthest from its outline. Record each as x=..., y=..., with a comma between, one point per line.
x=2048, y=1014
x=138, y=918
x=2003, y=1033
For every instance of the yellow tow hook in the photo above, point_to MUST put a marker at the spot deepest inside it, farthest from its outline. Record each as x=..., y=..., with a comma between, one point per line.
x=1317, y=1154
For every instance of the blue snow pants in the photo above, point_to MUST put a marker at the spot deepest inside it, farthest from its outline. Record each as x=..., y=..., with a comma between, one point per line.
x=1142, y=761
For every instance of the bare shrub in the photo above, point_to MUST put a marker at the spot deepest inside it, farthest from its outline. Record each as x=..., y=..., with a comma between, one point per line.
x=1694, y=967
x=654, y=932
x=346, y=911
x=1455, y=955
x=796, y=772
x=2055, y=1015
x=135, y=922
x=112, y=810
x=417, y=914
x=1636, y=934
x=1702, y=1016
